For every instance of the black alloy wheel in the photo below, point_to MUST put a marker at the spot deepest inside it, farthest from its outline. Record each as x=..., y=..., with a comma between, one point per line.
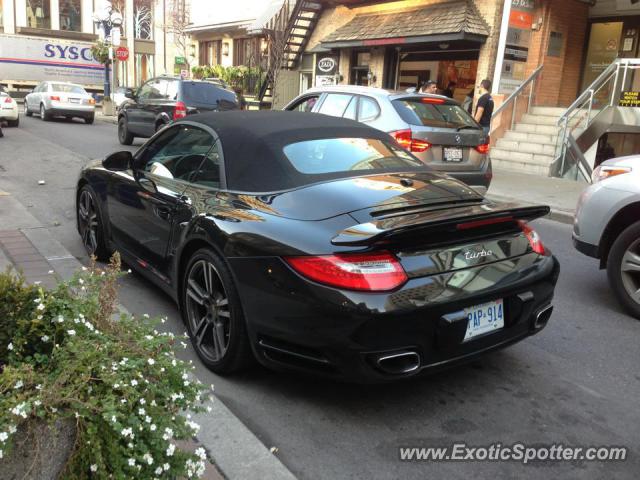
x=124, y=136
x=213, y=314
x=90, y=226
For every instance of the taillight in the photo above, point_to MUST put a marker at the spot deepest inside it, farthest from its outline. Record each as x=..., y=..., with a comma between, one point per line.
x=55, y=98
x=431, y=100
x=91, y=101
x=483, y=223
x=7, y=100
x=533, y=237
x=483, y=149
x=371, y=272
x=406, y=141
x=179, y=111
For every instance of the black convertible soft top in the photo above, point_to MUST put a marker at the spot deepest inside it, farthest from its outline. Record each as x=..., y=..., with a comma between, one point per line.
x=253, y=142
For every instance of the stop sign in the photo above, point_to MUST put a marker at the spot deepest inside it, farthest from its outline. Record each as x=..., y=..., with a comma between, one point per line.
x=122, y=53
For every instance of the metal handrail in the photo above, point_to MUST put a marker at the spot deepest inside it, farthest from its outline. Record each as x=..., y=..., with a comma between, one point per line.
x=518, y=90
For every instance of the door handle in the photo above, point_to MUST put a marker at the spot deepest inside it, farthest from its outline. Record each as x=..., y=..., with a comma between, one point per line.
x=163, y=211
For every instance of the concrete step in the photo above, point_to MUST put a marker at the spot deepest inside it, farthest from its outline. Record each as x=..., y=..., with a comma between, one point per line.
x=530, y=137
x=521, y=157
x=521, y=167
x=551, y=111
x=540, y=129
x=527, y=147
x=539, y=119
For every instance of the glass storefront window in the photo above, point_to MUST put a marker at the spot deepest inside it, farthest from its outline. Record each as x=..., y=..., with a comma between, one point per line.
x=71, y=15
x=604, y=44
x=144, y=67
x=39, y=13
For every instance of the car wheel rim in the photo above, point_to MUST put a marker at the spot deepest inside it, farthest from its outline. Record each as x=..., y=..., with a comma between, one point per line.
x=207, y=307
x=630, y=269
x=42, y=111
x=88, y=218
x=121, y=130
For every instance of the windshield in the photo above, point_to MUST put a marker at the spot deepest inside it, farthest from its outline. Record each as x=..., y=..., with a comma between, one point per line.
x=416, y=112
x=64, y=88
x=335, y=155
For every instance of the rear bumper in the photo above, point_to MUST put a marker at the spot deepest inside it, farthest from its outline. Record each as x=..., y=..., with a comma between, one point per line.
x=478, y=179
x=8, y=113
x=296, y=325
x=79, y=111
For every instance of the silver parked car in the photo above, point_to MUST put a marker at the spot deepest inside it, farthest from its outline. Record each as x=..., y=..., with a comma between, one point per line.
x=60, y=99
x=607, y=226
x=434, y=128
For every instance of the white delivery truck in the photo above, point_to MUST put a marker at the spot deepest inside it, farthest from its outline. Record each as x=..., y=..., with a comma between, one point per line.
x=26, y=61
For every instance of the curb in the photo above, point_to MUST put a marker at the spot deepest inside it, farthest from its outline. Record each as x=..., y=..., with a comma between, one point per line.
x=556, y=214
x=235, y=450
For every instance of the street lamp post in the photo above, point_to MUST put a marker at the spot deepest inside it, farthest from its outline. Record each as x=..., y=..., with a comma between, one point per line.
x=108, y=22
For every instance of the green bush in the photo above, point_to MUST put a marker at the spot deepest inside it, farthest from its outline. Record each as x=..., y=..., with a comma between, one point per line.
x=63, y=354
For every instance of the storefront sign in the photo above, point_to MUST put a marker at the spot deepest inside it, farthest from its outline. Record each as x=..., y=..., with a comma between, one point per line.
x=180, y=61
x=521, y=15
x=517, y=48
x=630, y=99
x=326, y=69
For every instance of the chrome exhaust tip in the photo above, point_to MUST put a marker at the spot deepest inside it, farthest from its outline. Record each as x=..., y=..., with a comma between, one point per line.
x=542, y=317
x=399, y=363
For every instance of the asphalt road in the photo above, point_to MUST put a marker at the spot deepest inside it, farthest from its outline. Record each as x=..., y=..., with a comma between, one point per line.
x=576, y=383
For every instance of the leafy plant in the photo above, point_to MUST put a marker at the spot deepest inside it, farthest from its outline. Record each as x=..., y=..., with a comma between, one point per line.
x=100, y=51
x=63, y=354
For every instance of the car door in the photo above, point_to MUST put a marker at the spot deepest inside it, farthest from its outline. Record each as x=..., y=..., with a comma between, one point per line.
x=134, y=110
x=34, y=97
x=144, y=202
x=153, y=105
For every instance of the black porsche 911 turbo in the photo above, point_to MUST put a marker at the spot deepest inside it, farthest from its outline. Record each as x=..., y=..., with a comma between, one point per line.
x=317, y=244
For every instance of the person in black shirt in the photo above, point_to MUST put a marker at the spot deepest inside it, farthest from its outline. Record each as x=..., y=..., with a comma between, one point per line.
x=484, y=108
x=448, y=92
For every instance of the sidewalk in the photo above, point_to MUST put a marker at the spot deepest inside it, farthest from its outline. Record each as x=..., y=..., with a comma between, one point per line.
x=27, y=245
x=561, y=195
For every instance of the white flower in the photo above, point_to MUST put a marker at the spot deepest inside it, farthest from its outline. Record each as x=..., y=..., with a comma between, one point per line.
x=201, y=453
x=45, y=338
x=20, y=410
x=141, y=411
x=3, y=436
x=60, y=319
x=145, y=315
x=50, y=272
x=12, y=429
x=148, y=458
x=129, y=271
x=168, y=434
x=40, y=306
x=153, y=403
x=10, y=346
x=84, y=269
x=173, y=362
x=37, y=403
x=153, y=427
x=71, y=332
x=94, y=468
x=151, y=361
x=114, y=419
x=194, y=426
x=209, y=409
x=158, y=471
x=80, y=281
x=166, y=467
x=170, y=449
x=147, y=419
x=127, y=432
x=132, y=462
x=185, y=376
x=54, y=409
x=19, y=384
x=161, y=369
x=184, y=345
x=134, y=382
x=1, y=454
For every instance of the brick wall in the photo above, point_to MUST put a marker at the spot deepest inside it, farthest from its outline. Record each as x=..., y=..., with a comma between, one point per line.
x=559, y=81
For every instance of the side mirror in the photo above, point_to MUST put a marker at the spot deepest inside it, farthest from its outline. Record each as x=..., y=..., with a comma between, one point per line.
x=129, y=93
x=118, y=161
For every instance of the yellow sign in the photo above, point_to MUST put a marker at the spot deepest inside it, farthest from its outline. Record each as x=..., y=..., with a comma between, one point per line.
x=630, y=99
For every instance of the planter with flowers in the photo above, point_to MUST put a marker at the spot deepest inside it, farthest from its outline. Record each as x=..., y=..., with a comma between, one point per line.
x=111, y=387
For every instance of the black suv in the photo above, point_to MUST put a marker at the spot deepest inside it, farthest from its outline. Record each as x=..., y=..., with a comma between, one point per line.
x=161, y=100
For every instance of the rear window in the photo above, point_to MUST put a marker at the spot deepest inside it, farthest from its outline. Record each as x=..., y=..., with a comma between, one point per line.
x=335, y=155
x=61, y=87
x=202, y=93
x=415, y=112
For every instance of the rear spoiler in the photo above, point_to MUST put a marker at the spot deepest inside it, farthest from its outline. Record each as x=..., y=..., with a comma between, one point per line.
x=450, y=219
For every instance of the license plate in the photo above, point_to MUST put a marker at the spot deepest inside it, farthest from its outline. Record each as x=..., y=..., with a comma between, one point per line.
x=484, y=318
x=452, y=154
x=74, y=100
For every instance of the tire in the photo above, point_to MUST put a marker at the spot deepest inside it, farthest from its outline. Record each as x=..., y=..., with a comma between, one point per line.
x=124, y=136
x=14, y=123
x=213, y=306
x=43, y=113
x=90, y=224
x=27, y=112
x=623, y=269
x=89, y=120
